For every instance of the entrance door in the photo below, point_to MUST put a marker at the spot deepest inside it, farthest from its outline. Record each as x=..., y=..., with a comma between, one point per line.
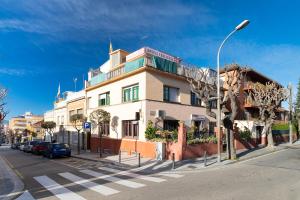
x=88, y=140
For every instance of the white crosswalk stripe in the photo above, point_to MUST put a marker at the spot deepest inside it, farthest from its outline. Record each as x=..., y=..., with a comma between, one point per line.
x=172, y=175
x=58, y=190
x=110, y=178
x=104, y=190
x=133, y=175
x=62, y=192
x=25, y=196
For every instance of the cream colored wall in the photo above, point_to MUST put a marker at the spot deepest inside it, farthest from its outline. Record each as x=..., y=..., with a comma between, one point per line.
x=154, y=87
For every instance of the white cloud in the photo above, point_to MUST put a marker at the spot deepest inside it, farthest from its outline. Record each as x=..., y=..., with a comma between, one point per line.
x=67, y=18
x=12, y=72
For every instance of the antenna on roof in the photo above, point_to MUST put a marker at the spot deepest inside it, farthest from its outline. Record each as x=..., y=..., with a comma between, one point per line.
x=110, y=46
x=75, y=80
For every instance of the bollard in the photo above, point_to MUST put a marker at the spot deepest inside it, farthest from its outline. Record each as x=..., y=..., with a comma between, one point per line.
x=120, y=156
x=173, y=160
x=139, y=158
x=205, y=159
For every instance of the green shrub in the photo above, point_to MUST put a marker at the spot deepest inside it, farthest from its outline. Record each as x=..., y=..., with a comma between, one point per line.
x=245, y=135
x=283, y=126
x=209, y=139
x=280, y=126
x=190, y=135
x=150, y=132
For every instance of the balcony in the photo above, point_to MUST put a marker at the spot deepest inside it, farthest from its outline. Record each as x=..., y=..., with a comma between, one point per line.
x=123, y=69
x=248, y=85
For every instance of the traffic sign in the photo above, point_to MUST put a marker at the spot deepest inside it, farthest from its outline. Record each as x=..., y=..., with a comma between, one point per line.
x=87, y=125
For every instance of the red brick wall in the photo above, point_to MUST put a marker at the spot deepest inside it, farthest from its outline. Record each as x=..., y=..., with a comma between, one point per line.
x=146, y=149
x=190, y=151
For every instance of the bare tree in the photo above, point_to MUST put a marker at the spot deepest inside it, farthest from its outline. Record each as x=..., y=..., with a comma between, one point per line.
x=77, y=122
x=3, y=112
x=98, y=118
x=203, y=85
x=267, y=98
x=49, y=126
x=233, y=78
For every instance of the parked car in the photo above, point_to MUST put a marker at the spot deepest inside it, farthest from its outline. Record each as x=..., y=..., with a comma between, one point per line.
x=13, y=146
x=57, y=150
x=28, y=146
x=39, y=148
x=22, y=145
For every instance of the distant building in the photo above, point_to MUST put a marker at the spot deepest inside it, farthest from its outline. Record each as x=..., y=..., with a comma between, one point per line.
x=20, y=125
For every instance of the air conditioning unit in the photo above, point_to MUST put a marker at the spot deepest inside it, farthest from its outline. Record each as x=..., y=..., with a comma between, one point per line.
x=160, y=114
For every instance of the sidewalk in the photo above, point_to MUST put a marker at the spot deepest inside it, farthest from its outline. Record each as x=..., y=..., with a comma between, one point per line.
x=128, y=161
x=10, y=183
x=151, y=165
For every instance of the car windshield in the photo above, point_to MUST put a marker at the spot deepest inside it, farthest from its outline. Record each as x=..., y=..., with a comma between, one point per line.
x=33, y=142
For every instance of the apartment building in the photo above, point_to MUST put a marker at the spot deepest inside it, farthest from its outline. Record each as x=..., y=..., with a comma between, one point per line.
x=65, y=106
x=248, y=113
x=24, y=122
x=141, y=86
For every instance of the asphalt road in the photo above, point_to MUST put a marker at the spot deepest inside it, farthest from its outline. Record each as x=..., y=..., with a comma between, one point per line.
x=275, y=176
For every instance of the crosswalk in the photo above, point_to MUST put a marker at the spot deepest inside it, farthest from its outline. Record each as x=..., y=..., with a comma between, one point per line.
x=89, y=180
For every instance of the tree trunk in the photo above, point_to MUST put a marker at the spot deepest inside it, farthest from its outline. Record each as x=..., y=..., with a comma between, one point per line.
x=78, y=142
x=270, y=138
x=232, y=147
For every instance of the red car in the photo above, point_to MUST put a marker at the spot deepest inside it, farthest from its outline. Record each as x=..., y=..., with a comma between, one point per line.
x=40, y=147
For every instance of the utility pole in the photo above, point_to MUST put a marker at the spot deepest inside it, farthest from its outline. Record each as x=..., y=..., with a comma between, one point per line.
x=290, y=87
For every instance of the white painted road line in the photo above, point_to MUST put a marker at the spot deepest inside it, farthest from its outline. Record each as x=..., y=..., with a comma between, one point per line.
x=104, y=190
x=58, y=190
x=25, y=196
x=133, y=175
x=110, y=178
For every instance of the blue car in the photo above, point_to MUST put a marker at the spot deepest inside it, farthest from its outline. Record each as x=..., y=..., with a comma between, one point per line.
x=57, y=150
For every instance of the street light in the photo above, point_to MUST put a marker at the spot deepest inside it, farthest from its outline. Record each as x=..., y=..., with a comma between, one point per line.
x=237, y=28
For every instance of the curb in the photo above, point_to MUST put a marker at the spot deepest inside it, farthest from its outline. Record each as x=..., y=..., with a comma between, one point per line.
x=103, y=161
x=13, y=175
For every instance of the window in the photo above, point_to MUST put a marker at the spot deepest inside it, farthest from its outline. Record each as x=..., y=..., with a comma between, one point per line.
x=130, y=128
x=72, y=112
x=105, y=128
x=89, y=102
x=131, y=93
x=80, y=111
x=62, y=120
x=104, y=99
x=213, y=104
x=171, y=94
x=211, y=128
x=171, y=125
x=195, y=101
x=58, y=121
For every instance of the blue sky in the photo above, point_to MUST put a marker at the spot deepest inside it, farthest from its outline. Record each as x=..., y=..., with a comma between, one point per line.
x=46, y=42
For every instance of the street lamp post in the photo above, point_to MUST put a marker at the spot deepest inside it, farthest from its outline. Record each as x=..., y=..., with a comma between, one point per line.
x=239, y=27
x=290, y=87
